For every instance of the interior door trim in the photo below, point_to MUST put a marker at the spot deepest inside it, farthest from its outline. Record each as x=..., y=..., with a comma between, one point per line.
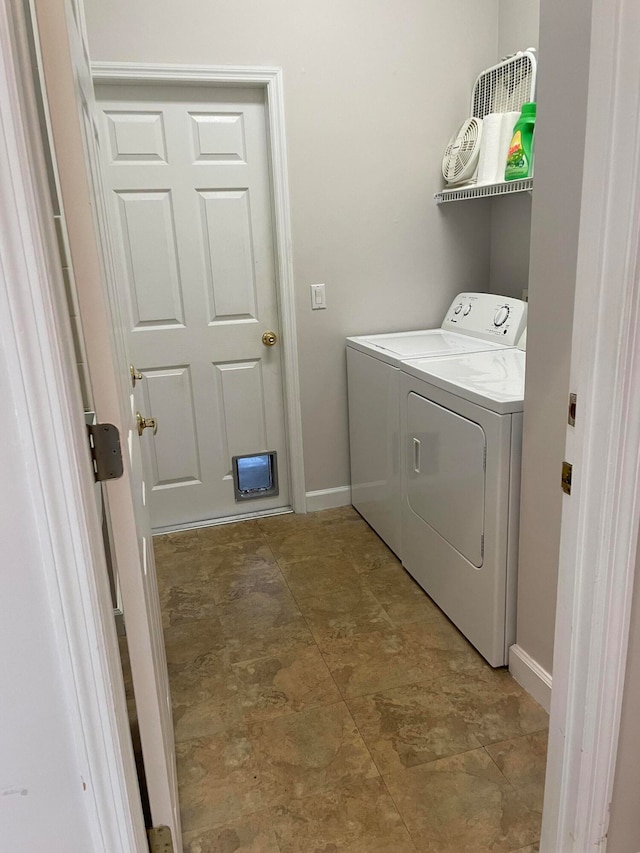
x=37, y=343
x=270, y=79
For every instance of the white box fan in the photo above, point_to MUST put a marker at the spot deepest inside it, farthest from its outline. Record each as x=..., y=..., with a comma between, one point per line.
x=460, y=158
x=503, y=88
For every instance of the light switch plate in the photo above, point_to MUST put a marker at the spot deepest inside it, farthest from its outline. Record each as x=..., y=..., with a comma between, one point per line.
x=318, y=298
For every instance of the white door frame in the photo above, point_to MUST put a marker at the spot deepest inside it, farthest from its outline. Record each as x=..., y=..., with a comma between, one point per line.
x=37, y=343
x=600, y=518
x=270, y=79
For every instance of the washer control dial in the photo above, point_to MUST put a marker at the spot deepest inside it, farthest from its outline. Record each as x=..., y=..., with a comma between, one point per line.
x=467, y=310
x=501, y=316
x=458, y=308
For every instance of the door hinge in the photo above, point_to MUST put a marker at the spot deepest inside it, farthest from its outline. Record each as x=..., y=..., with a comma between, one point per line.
x=160, y=840
x=573, y=402
x=106, y=453
x=567, y=471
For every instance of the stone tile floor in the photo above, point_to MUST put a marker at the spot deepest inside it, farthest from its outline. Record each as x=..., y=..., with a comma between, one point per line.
x=323, y=704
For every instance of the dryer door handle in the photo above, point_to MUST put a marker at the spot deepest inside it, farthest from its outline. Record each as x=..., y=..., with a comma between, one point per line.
x=416, y=455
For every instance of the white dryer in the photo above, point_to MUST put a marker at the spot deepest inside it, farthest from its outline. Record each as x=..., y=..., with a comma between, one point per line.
x=461, y=426
x=474, y=322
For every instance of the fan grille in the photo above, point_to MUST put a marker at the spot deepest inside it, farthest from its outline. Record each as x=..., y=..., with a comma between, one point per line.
x=462, y=152
x=505, y=87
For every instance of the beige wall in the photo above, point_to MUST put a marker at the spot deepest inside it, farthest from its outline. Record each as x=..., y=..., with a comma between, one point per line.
x=562, y=86
x=510, y=244
x=624, y=826
x=519, y=23
x=373, y=91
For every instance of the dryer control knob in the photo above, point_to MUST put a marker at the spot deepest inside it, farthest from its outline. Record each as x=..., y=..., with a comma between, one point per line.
x=501, y=316
x=467, y=310
x=458, y=308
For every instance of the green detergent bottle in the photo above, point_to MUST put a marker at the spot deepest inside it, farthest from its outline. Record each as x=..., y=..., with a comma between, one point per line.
x=520, y=157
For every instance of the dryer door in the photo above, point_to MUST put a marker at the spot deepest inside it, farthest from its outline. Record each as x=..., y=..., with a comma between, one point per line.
x=445, y=465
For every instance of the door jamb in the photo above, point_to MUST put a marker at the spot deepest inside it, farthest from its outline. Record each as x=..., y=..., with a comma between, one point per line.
x=271, y=80
x=599, y=540
x=37, y=340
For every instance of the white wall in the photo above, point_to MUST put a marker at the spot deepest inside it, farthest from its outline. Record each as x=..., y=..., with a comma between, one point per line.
x=373, y=91
x=510, y=244
x=42, y=802
x=519, y=24
x=562, y=88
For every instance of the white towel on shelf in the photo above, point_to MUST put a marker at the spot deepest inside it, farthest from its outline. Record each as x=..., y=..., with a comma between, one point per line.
x=497, y=132
x=489, y=162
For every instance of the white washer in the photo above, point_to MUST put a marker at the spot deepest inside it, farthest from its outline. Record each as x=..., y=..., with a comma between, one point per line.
x=474, y=322
x=461, y=426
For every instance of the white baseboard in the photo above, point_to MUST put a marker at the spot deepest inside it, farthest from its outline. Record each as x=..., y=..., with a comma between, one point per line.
x=530, y=675
x=328, y=498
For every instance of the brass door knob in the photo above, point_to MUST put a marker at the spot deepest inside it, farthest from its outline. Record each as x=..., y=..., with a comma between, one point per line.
x=146, y=423
x=135, y=376
x=269, y=339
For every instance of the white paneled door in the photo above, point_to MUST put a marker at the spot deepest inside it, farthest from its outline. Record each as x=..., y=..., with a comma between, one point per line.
x=189, y=196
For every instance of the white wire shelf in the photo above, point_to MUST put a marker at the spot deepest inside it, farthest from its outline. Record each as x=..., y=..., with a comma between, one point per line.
x=484, y=191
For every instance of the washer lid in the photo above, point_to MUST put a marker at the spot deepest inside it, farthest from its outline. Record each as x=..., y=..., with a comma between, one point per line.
x=429, y=343
x=493, y=380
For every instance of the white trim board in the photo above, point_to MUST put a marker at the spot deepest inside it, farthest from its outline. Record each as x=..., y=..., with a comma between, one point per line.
x=271, y=79
x=328, y=498
x=530, y=675
x=217, y=522
x=599, y=537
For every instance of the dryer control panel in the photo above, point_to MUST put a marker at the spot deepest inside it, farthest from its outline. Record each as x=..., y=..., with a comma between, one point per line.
x=487, y=316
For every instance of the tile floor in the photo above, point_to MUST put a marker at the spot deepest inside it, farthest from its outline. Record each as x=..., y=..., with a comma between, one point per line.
x=323, y=704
